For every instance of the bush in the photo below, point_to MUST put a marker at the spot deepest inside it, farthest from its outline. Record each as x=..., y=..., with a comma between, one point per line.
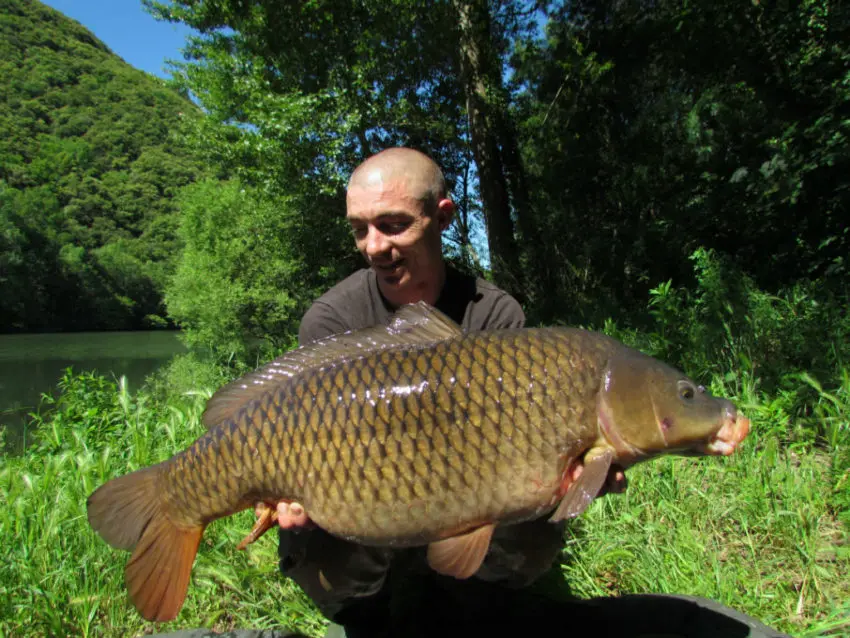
x=729, y=328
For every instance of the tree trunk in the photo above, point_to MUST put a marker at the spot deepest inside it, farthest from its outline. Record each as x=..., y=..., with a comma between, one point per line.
x=536, y=267
x=482, y=81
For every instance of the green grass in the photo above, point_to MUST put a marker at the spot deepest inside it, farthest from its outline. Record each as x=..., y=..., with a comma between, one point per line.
x=60, y=578
x=764, y=531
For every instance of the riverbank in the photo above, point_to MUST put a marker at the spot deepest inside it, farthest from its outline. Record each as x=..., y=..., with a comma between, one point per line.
x=759, y=531
x=31, y=365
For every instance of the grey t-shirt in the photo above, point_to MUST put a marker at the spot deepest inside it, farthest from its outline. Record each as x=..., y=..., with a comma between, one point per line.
x=356, y=302
x=343, y=578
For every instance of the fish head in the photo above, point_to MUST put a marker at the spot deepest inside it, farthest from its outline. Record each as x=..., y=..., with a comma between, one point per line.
x=647, y=407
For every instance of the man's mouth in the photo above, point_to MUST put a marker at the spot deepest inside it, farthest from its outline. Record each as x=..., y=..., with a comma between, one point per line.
x=390, y=268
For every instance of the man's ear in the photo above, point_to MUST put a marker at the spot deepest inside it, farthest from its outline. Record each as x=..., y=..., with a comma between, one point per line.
x=445, y=213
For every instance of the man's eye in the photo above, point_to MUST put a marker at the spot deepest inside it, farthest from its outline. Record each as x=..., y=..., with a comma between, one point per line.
x=394, y=228
x=358, y=233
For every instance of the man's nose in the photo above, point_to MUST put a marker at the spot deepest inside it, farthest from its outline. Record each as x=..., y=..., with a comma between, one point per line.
x=376, y=242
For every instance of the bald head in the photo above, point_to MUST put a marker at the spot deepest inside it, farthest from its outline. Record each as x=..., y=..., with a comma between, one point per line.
x=420, y=175
x=397, y=207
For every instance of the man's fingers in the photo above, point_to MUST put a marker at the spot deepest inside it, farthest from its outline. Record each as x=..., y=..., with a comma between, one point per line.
x=617, y=482
x=292, y=515
x=259, y=508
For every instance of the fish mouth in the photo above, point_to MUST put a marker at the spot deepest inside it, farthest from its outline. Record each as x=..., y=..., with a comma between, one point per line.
x=734, y=430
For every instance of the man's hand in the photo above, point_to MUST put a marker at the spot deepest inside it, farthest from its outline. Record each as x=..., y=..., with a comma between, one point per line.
x=616, y=482
x=288, y=515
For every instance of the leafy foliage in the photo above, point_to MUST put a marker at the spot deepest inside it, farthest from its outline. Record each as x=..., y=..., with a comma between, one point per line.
x=653, y=129
x=243, y=274
x=636, y=149
x=298, y=95
x=726, y=322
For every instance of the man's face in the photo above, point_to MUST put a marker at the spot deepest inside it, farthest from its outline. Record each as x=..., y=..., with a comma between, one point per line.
x=398, y=239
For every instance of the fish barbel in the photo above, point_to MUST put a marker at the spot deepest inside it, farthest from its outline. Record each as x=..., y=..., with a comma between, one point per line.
x=410, y=434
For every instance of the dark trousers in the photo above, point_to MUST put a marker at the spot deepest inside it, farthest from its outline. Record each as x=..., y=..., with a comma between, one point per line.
x=437, y=607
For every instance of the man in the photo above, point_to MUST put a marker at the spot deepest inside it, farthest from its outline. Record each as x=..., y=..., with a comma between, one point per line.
x=398, y=207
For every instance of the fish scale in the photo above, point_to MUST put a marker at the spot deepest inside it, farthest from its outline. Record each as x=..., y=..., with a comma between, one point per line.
x=482, y=416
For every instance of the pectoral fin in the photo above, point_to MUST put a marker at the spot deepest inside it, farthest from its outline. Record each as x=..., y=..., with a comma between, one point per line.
x=584, y=489
x=461, y=556
x=266, y=520
x=324, y=582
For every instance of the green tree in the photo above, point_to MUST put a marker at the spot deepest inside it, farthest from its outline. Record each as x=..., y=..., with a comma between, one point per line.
x=601, y=143
x=650, y=130
x=243, y=275
x=299, y=91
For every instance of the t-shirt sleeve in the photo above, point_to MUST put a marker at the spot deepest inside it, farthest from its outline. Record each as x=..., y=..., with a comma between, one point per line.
x=506, y=313
x=318, y=322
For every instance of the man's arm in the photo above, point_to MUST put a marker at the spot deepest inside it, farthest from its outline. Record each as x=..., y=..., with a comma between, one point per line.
x=494, y=309
x=507, y=313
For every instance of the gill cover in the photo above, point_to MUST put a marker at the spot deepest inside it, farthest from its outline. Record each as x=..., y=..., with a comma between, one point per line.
x=647, y=407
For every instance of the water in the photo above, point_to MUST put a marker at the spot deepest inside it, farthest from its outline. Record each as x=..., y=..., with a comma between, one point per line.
x=32, y=364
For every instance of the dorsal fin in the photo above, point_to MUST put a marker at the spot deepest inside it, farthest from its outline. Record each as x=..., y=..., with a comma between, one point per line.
x=416, y=324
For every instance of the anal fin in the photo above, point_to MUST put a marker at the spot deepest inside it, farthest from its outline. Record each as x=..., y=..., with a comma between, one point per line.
x=584, y=489
x=461, y=556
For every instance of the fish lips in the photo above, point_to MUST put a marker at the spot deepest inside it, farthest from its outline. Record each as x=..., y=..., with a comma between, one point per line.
x=732, y=432
x=733, y=429
x=727, y=439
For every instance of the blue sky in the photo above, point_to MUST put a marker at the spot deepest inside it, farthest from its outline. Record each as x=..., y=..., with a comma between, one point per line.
x=130, y=31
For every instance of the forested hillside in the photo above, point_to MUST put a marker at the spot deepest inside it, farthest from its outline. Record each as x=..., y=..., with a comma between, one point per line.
x=89, y=164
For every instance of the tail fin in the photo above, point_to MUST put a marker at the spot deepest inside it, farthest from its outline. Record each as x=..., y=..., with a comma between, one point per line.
x=127, y=512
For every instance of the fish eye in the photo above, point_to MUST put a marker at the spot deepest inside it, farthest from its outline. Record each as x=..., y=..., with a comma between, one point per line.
x=686, y=391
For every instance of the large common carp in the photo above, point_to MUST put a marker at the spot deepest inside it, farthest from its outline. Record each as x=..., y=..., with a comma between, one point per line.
x=410, y=434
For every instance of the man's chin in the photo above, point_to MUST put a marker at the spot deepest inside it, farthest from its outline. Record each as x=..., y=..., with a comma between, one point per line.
x=399, y=289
